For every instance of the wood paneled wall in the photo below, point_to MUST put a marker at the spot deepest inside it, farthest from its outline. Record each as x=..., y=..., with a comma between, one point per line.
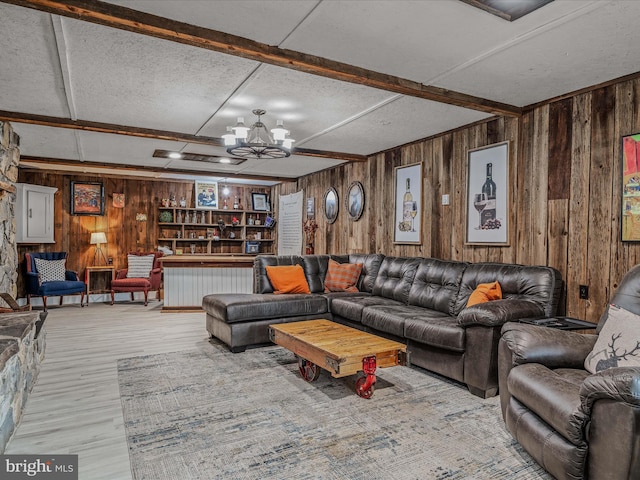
x=565, y=194
x=124, y=232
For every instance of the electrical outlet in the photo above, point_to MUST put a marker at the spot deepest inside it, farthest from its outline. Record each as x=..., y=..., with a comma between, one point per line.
x=445, y=199
x=584, y=292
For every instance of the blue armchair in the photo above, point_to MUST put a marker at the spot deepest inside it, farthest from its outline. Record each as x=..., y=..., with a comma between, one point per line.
x=46, y=276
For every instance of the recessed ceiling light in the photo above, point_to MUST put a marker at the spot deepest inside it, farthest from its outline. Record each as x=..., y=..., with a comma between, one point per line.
x=175, y=155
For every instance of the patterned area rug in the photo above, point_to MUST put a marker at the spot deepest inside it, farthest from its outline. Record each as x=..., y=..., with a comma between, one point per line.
x=213, y=414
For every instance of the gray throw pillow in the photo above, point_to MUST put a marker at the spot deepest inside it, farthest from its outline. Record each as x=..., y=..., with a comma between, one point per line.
x=618, y=343
x=50, y=270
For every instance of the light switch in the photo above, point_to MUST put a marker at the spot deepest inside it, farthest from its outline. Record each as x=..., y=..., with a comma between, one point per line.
x=445, y=199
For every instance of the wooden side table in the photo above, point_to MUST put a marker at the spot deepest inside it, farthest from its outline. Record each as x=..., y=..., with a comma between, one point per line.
x=98, y=279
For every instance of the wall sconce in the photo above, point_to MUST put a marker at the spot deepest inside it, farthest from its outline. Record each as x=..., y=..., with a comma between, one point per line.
x=97, y=239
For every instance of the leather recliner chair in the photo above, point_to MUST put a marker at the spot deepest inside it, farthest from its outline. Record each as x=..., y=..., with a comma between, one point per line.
x=575, y=424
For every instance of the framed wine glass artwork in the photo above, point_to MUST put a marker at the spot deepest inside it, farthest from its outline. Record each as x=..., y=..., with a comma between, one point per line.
x=488, y=195
x=408, y=204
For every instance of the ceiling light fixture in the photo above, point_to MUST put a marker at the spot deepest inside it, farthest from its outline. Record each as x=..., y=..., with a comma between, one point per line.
x=175, y=155
x=255, y=141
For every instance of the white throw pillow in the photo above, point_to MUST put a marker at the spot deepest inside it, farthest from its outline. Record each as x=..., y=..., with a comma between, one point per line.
x=139, y=266
x=51, y=270
x=618, y=343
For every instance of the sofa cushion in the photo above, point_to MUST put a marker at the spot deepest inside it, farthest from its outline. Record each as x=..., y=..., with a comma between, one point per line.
x=553, y=395
x=435, y=329
x=485, y=292
x=50, y=270
x=61, y=288
x=315, y=269
x=350, y=307
x=342, y=277
x=139, y=266
x=436, y=284
x=287, y=279
x=247, y=307
x=388, y=318
x=538, y=284
x=261, y=283
x=618, y=344
x=395, y=277
x=370, y=267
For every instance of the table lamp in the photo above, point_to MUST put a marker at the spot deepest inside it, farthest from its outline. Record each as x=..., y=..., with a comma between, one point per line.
x=97, y=239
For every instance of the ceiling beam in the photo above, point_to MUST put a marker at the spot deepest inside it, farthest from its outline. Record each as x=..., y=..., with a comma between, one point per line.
x=152, y=25
x=114, y=129
x=48, y=164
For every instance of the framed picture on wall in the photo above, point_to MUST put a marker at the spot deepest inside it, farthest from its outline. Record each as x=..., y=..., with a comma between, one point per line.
x=408, y=204
x=488, y=195
x=206, y=195
x=630, y=214
x=331, y=205
x=260, y=202
x=87, y=198
x=355, y=201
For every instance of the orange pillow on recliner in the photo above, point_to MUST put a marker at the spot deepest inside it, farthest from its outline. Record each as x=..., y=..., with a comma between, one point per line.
x=485, y=292
x=288, y=279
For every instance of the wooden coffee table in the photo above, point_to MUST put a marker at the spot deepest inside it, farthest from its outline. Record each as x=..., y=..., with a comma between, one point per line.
x=339, y=349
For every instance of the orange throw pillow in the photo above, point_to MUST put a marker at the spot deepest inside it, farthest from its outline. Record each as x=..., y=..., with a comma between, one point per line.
x=288, y=279
x=342, y=277
x=485, y=292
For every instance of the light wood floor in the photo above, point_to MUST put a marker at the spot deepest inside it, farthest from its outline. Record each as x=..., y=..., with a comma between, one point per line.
x=75, y=407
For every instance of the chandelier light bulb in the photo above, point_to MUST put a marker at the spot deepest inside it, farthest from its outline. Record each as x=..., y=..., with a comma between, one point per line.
x=241, y=130
x=229, y=137
x=288, y=143
x=225, y=191
x=279, y=133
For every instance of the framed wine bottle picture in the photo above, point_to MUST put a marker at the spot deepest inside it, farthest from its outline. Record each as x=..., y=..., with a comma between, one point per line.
x=408, y=204
x=488, y=195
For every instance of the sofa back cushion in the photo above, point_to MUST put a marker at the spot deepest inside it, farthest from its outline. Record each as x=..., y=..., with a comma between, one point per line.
x=315, y=269
x=539, y=284
x=261, y=283
x=436, y=284
x=370, y=268
x=395, y=278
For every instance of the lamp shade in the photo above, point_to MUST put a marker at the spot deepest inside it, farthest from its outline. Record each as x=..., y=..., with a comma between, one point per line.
x=98, y=238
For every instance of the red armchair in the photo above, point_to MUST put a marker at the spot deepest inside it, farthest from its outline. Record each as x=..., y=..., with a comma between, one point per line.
x=137, y=277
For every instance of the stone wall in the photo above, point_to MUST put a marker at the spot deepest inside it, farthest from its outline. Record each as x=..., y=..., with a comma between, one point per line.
x=9, y=158
x=21, y=353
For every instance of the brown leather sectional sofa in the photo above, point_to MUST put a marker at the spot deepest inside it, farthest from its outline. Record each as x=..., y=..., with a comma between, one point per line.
x=419, y=301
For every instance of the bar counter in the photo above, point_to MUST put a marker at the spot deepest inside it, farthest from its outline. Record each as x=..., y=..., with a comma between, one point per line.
x=188, y=278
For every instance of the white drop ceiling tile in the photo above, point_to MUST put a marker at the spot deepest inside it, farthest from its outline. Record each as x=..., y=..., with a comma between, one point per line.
x=417, y=40
x=263, y=21
x=48, y=142
x=30, y=76
x=570, y=56
x=405, y=120
x=129, y=79
x=122, y=149
x=308, y=104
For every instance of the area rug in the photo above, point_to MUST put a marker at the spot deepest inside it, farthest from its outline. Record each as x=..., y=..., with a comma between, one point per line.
x=216, y=415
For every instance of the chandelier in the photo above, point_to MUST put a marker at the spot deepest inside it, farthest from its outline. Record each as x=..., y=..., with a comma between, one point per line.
x=255, y=141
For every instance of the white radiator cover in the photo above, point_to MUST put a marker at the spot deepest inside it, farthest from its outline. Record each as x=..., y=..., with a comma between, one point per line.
x=185, y=287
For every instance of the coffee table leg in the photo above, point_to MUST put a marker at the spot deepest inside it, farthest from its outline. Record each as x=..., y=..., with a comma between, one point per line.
x=309, y=370
x=365, y=385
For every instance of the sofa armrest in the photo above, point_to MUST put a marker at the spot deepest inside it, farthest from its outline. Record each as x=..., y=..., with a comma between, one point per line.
x=620, y=384
x=155, y=278
x=547, y=346
x=71, y=275
x=499, y=312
